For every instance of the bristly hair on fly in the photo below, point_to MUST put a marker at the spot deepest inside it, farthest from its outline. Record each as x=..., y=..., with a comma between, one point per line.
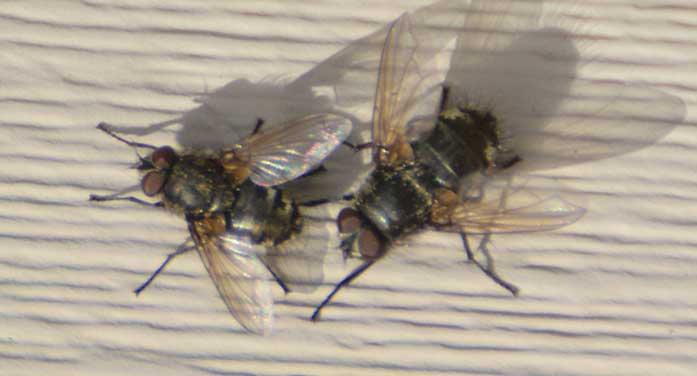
x=245, y=229
x=453, y=171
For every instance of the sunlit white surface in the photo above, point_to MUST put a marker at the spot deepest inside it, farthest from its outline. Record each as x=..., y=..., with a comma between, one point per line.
x=611, y=294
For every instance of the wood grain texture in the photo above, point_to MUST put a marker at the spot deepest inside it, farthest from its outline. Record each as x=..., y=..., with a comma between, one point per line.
x=611, y=294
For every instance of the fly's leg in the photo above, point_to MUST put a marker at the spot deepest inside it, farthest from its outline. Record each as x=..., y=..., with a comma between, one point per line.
x=444, y=97
x=312, y=203
x=258, y=125
x=132, y=199
x=108, y=129
x=276, y=278
x=344, y=282
x=140, y=131
x=358, y=147
x=183, y=248
x=488, y=266
x=322, y=201
x=315, y=171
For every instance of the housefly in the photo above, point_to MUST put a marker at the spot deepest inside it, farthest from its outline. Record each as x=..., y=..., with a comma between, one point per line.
x=454, y=175
x=242, y=227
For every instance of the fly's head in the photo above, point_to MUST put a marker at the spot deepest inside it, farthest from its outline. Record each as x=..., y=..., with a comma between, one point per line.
x=358, y=238
x=157, y=168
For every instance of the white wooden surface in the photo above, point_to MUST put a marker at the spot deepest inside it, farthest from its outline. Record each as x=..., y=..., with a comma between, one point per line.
x=612, y=294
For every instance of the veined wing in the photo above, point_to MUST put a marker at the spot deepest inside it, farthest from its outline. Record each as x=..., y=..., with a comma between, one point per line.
x=547, y=214
x=409, y=79
x=352, y=72
x=509, y=208
x=289, y=150
x=533, y=63
x=595, y=120
x=237, y=272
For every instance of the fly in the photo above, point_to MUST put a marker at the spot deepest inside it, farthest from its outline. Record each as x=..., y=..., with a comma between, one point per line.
x=241, y=225
x=442, y=178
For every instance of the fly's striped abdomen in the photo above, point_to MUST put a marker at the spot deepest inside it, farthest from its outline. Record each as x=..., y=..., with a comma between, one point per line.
x=462, y=143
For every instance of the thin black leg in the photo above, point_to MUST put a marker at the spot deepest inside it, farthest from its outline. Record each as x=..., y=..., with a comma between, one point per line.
x=317, y=170
x=344, y=282
x=106, y=128
x=146, y=130
x=489, y=269
x=323, y=201
x=358, y=147
x=444, y=97
x=258, y=125
x=181, y=249
x=132, y=199
x=275, y=276
x=312, y=203
x=511, y=162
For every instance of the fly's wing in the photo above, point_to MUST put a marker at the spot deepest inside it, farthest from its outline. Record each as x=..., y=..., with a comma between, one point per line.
x=508, y=207
x=491, y=27
x=289, y=150
x=487, y=218
x=594, y=121
x=299, y=261
x=350, y=78
x=237, y=272
x=351, y=73
x=534, y=65
x=409, y=82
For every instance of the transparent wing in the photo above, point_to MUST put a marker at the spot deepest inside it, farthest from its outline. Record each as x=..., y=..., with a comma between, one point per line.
x=534, y=65
x=594, y=121
x=506, y=207
x=299, y=262
x=351, y=73
x=240, y=277
x=349, y=78
x=409, y=78
x=289, y=150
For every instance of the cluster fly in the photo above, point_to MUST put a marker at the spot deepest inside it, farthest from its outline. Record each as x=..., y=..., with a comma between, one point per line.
x=243, y=228
x=440, y=177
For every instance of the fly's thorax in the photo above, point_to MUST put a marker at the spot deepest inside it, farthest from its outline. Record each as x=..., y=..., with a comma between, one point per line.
x=197, y=185
x=396, y=200
x=463, y=142
x=235, y=163
x=266, y=214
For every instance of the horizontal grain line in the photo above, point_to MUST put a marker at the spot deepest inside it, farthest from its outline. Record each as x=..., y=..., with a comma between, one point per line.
x=38, y=358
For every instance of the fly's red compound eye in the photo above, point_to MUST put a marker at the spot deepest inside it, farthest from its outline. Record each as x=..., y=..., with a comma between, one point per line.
x=348, y=220
x=163, y=157
x=153, y=182
x=370, y=244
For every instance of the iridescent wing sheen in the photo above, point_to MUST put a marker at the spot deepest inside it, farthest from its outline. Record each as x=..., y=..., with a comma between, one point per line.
x=289, y=150
x=509, y=208
x=409, y=79
x=534, y=64
x=239, y=275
